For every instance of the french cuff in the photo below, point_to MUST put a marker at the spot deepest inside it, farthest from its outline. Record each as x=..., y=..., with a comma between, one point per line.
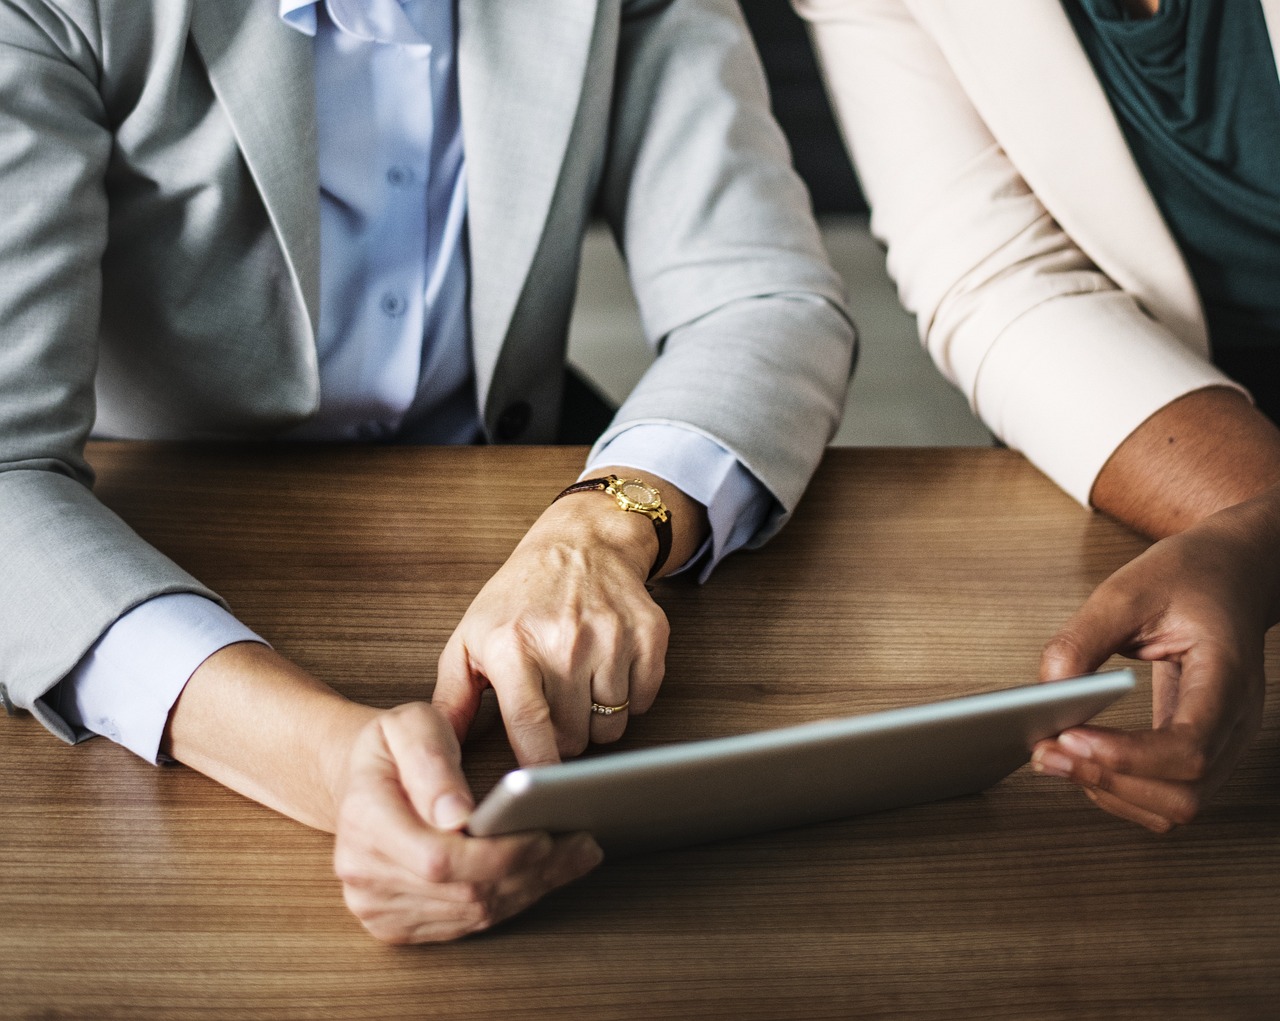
x=126, y=685
x=737, y=502
x=1068, y=402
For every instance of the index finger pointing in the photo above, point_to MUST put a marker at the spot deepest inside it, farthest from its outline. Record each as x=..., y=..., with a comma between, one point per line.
x=525, y=712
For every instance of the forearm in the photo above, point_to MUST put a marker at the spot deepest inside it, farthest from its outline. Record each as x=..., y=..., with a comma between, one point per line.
x=737, y=297
x=258, y=724
x=1203, y=452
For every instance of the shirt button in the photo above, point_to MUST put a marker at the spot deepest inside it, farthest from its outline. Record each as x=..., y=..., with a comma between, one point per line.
x=399, y=177
x=514, y=420
x=391, y=304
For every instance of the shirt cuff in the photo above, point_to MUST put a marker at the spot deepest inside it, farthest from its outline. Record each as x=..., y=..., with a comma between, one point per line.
x=737, y=502
x=126, y=685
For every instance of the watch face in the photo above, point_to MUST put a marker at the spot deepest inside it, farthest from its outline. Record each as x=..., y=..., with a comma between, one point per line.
x=639, y=493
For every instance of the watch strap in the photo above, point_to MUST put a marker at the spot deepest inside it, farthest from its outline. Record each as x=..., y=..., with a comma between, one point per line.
x=663, y=529
x=585, y=486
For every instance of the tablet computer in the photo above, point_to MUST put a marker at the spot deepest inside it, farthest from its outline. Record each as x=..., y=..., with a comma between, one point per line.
x=709, y=790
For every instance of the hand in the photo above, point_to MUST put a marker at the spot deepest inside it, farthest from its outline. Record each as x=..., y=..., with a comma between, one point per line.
x=1198, y=604
x=565, y=622
x=407, y=872
x=386, y=783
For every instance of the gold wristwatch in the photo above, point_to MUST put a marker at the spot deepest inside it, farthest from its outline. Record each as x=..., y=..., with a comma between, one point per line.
x=639, y=498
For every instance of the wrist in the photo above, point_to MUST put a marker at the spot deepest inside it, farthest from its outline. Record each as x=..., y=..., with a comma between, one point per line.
x=1266, y=508
x=1255, y=524
x=343, y=726
x=635, y=497
x=262, y=726
x=592, y=519
x=687, y=519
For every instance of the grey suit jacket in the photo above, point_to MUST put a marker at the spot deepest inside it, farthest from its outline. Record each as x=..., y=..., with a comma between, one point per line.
x=159, y=247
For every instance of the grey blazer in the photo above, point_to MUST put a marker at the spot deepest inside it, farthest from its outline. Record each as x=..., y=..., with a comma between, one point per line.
x=159, y=245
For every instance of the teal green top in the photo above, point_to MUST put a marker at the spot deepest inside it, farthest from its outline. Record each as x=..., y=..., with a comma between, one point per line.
x=1196, y=92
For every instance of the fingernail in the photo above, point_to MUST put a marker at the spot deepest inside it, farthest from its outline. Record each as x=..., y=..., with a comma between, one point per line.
x=451, y=811
x=588, y=854
x=1076, y=744
x=1051, y=763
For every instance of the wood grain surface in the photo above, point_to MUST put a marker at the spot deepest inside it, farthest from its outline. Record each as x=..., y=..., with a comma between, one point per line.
x=135, y=892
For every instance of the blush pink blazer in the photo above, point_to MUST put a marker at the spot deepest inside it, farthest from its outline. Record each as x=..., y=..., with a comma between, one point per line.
x=1019, y=230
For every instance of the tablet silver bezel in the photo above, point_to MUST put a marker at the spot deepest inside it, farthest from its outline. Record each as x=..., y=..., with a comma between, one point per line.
x=707, y=790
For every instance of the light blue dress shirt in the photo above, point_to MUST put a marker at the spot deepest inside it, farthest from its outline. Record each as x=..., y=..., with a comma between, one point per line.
x=393, y=340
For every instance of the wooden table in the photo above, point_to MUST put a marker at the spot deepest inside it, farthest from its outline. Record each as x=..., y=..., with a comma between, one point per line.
x=135, y=892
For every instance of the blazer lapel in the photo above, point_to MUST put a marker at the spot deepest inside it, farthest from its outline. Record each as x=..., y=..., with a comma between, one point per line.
x=1026, y=73
x=262, y=74
x=521, y=70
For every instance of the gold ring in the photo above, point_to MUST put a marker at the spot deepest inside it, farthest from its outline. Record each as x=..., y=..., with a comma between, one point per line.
x=608, y=710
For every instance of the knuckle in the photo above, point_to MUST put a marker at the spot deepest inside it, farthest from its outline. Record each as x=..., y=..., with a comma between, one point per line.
x=553, y=637
x=532, y=715
x=370, y=912
x=434, y=866
x=473, y=893
x=388, y=932
x=1119, y=760
x=1062, y=649
x=1196, y=764
x=357, y=902
x=437, y=759
x=512, y=641
x=476, y=915
x=411, y=718
x=348, y=866
x=654, y=628
x=1098, y=779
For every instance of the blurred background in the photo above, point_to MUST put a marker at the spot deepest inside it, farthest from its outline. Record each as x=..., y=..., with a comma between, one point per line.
x=898, y=398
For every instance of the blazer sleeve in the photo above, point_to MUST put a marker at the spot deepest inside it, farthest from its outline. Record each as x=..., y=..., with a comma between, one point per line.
x=1056, y=359
x=754, y=344
x=68, y=566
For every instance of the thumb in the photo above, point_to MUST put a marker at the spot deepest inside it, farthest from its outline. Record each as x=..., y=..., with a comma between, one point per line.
x=428, y=760
x=1106, y=624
